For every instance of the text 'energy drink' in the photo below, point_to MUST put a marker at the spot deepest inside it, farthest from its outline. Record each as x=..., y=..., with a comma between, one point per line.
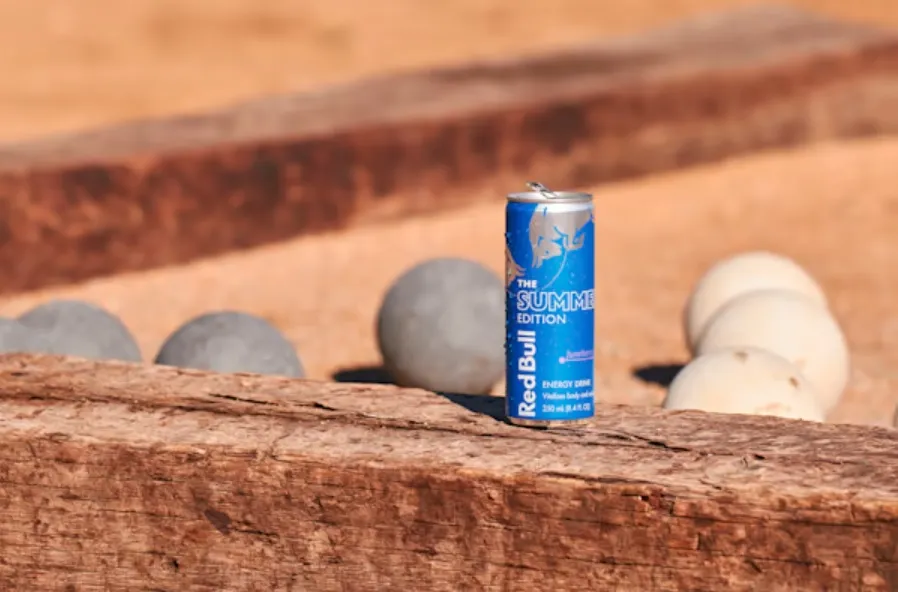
x=550, y=302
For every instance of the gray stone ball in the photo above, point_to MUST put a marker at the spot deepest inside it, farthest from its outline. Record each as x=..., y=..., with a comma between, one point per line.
x=77, y=328
x=229, y=341
x=441, y=327
x=17, y=338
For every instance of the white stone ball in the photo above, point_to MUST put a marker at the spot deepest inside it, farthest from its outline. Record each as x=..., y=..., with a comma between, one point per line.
x=792, y=326
x=746, y=272
x=747, y=381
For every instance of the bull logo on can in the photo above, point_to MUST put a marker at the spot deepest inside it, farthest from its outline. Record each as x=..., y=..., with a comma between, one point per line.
x=552, y=234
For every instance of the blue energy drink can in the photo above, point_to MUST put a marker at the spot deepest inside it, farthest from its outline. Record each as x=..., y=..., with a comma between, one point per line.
x=549, y=307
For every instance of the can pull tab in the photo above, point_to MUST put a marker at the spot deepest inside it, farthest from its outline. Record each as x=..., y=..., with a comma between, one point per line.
x=542, y=189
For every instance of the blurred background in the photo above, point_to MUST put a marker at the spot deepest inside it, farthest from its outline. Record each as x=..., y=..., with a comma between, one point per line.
x=68, y=65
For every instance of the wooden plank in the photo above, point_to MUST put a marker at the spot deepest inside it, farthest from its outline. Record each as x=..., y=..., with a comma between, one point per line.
x=127, y=477
x=162, y=192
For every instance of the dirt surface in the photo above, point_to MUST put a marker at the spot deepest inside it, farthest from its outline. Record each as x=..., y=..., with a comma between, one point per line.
x=73, y=65
x=139, y=196
x=832, y=207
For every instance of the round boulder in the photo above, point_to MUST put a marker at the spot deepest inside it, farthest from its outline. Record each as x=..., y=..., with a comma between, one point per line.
x=230, y=341
x=82, y=329
x=441, y=327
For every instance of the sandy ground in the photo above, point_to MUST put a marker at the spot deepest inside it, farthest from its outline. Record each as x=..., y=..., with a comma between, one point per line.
x=68, y=65
x=834, y=208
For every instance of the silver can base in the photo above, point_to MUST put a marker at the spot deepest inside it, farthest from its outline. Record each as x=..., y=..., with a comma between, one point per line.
x=549, y=423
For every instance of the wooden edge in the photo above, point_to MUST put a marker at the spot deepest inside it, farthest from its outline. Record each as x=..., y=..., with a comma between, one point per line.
x=166, y=192
x=127, y=477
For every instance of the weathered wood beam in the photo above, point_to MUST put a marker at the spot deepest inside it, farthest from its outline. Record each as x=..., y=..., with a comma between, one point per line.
x=161, y=192
x=127, y=477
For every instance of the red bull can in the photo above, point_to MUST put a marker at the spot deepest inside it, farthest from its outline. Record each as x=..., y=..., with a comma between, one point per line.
x=549, y=307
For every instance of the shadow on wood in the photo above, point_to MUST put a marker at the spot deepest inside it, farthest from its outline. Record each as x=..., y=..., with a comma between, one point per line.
x=487, y=405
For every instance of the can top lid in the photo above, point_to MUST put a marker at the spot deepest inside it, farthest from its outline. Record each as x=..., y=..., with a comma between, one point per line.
x=554, y=197
x=540, y=192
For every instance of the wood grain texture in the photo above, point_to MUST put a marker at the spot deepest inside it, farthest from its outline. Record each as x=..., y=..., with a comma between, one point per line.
x=164, y=192
x=126, y=477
